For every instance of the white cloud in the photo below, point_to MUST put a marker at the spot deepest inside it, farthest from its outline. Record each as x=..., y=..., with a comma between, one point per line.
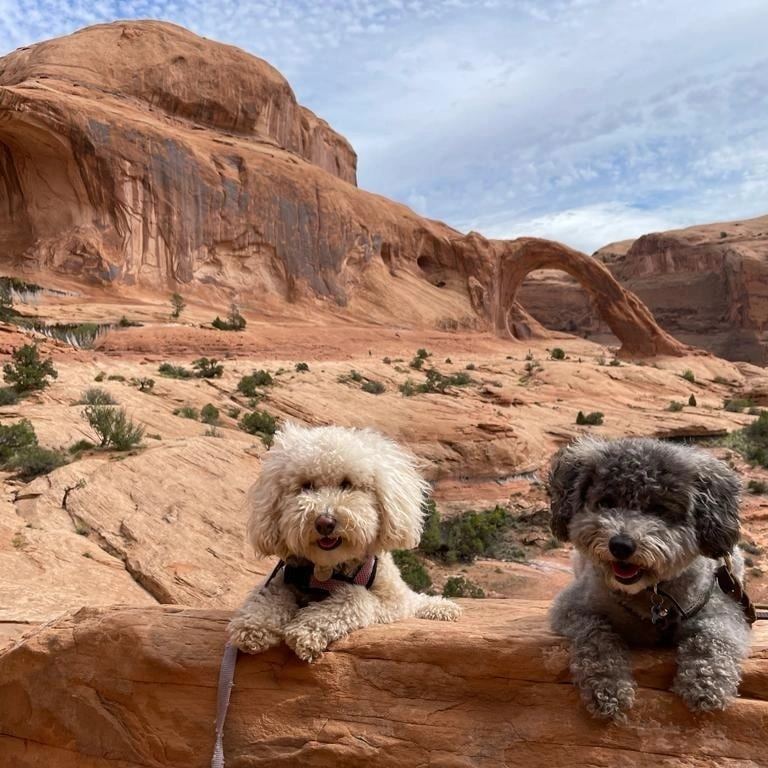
x=584, y=120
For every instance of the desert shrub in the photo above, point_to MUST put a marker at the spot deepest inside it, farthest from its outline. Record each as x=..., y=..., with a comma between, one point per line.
x=28, y=372
x=234, y=322
x=177, y=305
x=675, y=406
x=14, y=438
x=207, y=368
x=615, y=362
x=408, y=388
x=124, y=322
x=233, y=411
x=209, y=414
x=557, y=353
x=373, y=387
x=688, y=375
x=412, y=570
x=145, y=384
x=174, y=371
x=460, y=586
x=692, y=401
x=464, y=537
x=736, y=405
x=187, y=412
x=96, y=396
x=386, y=360
x=259, y=423
x=248, y=385
x=100, y=376
x=757, y=487
x=34, y=460
x=301, y=367
x=113, y=427
x=8, y=396
x=594, y=418
x=115, y=377
x=470, y=366
x=81, y=445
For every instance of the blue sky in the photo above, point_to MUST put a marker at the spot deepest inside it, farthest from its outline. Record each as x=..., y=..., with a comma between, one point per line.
x=586, y=121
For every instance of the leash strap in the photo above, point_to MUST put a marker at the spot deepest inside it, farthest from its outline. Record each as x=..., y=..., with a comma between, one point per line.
x=226, y=681
x=732, y=587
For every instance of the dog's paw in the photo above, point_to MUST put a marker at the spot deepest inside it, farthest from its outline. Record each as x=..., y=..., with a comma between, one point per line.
x=706, y=694
x=611, y=700
x=308, y=642
x=439, y=609
x=251, y=638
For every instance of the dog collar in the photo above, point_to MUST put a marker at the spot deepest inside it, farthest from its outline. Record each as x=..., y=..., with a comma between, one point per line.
x=669, y=605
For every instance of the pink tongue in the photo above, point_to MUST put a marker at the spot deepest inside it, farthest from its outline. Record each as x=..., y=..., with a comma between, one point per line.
x=625, y=570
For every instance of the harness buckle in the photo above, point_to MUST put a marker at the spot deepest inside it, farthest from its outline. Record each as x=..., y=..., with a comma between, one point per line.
x=659, y=611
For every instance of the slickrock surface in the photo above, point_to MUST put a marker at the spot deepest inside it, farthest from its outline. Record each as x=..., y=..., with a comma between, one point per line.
x=137, y=687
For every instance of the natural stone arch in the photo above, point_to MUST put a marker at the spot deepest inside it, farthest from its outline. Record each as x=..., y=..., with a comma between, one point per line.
x=628, y=318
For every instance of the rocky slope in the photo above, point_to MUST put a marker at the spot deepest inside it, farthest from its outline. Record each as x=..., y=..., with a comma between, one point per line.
x=706, y=285
x=183, y=163
x=137, y=687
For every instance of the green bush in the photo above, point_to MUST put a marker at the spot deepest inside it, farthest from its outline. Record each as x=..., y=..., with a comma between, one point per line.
x=431, y=537
x=144, y=384
x=688, y=375
x=692, y=401
x=207, y=368
x=209, y=414
x=459, y=586
x=187, y=412
x=81, y=445
x=412, y=570
x=470, y=366
x=8, y=396
x=373, y=387
x=34, y=460
x=96, y=396
x=301, y=367
x=248, y=385
x=259, y=423
x=113, y=427
x=675, y=406
x=757, y=487
x=174, y=371
x=736, y=405
x=14, y=438
x=100, y=376
x=235, y=321
x=177, y=305
x=28, y=372
x=557, y=353
x=594, y=418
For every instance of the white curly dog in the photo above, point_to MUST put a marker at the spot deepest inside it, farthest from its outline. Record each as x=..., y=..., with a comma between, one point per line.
x=331, y=503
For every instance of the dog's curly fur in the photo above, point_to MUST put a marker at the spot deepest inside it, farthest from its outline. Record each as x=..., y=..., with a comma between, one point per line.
x=368, y=490
x=643, y=513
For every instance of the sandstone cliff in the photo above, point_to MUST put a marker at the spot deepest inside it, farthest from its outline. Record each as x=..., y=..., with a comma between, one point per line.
x=137, y=687
x=707, y=285
x=136, y=153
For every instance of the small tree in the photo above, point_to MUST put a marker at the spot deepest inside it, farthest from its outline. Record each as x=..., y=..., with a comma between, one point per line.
x=177, y=305
x=206, y=368
x=28, y=372
x=209, y=414
x=113, y=427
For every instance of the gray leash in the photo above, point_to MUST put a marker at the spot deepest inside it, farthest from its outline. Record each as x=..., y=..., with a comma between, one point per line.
x=226, y=681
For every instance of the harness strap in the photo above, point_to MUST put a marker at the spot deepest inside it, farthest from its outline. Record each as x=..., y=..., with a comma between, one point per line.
x=732, y=587
x=226, y=681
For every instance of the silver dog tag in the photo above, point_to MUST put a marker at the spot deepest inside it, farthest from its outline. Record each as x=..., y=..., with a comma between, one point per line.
x=659, y=611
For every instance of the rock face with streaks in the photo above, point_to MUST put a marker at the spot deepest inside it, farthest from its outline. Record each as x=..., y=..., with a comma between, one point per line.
x=137, y=687
x=139, y=154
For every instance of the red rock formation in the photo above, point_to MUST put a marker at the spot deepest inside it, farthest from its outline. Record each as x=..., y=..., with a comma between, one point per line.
x=137, y=687
x=139, y=153
x=707, y=285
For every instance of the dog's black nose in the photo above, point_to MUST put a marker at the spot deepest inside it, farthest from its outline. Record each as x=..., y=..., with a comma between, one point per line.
x=324, y=525
x=621, y=546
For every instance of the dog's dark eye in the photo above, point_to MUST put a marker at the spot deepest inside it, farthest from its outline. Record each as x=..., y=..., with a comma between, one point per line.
x=308, y=486
x=607, y=501
x=345, y=484
x=656, y=509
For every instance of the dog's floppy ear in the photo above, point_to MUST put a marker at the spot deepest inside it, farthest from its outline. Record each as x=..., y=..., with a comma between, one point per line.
x=716, y=506
x=400, y=489
x=570, y=474
x=262, y=502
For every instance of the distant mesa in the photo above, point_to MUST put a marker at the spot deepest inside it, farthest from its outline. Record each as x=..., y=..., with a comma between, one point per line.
x=139, y=154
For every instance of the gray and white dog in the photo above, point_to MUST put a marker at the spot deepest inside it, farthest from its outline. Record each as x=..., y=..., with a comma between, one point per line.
x=649, y=521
